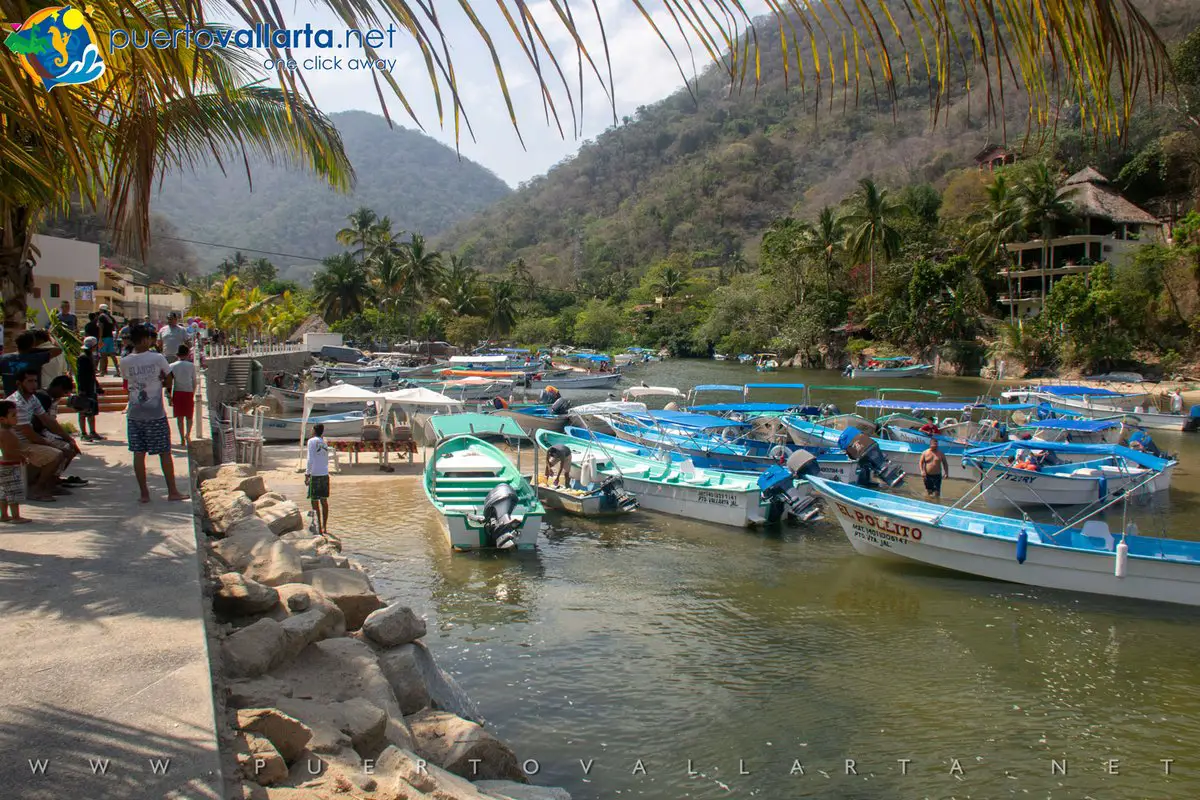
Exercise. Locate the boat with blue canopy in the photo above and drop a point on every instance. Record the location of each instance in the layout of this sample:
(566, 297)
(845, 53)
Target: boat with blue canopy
(1088, 558)
(713, 388)
(1029, 473)
(1073, 429)
(1098, 403)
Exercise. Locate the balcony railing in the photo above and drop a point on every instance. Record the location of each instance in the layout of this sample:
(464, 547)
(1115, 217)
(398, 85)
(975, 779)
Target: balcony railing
(210, 350)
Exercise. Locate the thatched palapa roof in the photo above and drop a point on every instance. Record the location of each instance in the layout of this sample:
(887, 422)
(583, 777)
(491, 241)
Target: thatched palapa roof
(1093, 196)
(314, 324)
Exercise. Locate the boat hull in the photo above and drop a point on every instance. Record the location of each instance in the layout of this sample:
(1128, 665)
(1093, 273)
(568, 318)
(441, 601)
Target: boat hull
(707, 504)
(532, 423)
(602, 381)
(591, 505)
(1008, 486)
(462, 535)
(289, 430)
(290, 400)
(917, 538)
(919, 371)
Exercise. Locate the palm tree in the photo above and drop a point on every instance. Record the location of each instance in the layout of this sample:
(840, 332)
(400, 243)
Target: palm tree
(384, 240)
(233, 266)
(1043, 208)
(342, 287)
(669, 282)
(422, 270)
(358, 232)
(504, 308)
(824, 239)
(109, 142)
(869, 229)
(461, 293)
(992, 226)
(388, 273)
(520, 274)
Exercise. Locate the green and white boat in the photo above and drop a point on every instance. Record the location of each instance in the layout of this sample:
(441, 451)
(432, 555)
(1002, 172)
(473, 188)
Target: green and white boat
(483, 500)
(680, 488)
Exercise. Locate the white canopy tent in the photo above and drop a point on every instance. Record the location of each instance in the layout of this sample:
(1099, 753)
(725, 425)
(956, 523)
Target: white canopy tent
(342, 392)
(417, 397)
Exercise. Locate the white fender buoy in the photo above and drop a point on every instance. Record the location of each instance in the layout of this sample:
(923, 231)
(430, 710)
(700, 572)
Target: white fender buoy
(1122, 559)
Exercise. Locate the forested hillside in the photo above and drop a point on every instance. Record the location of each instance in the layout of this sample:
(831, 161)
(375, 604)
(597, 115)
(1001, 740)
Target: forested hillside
(416, 181)
(706, 176)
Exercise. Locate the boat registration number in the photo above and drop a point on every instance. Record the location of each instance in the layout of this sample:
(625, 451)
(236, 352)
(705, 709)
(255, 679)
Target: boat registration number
(717, 498)
(878, 530)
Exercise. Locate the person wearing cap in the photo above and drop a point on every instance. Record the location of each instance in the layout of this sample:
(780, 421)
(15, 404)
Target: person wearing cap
(88, 390)
(108, 343)
(172, 337)
(549, 395)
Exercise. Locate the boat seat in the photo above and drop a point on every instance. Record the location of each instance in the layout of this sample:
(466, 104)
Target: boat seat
(451, 479)
(1098, 529)
(697, 480)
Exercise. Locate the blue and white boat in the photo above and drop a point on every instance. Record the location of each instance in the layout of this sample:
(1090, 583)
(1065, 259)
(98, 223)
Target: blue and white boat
(1087, 401)
(1089, 558)
(1073, 429)
(291, 429)
(1097, 472)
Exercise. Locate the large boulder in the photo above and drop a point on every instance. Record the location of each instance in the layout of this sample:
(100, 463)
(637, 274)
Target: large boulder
(200, 452)
(260, 692)
(237, 550)
(222, 476)
(282, 517)
(289, 736)
(393, 626)
(350, 589)
(402, 667)
(510, 790)
(444, 692)
(239, 596)
(269, 499)
(226, 509)
(251, 651)
(349, 724)
(306, 616)
(400, 772)
(258, 759)
(343, 669)
(462, 747)
(275, 563)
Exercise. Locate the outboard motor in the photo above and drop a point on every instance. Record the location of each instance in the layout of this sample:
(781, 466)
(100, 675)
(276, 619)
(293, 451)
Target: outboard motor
(830, 410)
(560, 406)
(499, 522)
(616, 498)
(779, 488)
(871, 461)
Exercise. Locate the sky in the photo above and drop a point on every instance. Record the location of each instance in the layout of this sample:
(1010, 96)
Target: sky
(643, 71)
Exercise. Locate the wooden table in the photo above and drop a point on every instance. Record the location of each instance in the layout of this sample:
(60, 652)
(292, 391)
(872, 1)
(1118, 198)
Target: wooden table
(353, 447)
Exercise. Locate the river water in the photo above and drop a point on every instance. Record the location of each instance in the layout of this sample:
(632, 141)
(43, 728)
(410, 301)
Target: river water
(663, 658)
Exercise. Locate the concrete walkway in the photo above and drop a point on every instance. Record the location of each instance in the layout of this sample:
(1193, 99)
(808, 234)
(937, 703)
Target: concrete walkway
(105, 688)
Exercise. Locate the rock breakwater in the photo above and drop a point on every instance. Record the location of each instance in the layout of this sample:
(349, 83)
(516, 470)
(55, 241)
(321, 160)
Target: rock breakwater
(325, 691)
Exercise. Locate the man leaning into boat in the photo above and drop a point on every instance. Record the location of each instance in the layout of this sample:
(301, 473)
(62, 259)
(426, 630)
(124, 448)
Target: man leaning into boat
(559, 455)
(933, 465)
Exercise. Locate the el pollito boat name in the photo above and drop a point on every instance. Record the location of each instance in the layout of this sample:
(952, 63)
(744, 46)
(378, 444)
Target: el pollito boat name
(868, 526)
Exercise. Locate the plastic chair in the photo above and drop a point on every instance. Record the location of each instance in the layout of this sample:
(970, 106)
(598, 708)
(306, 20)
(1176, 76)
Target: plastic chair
(249, 439)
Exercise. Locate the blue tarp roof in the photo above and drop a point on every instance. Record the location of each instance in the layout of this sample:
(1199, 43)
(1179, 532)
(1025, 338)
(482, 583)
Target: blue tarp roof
(1079, 391)
(724, 408)
(683, 419)
(913, 405)
(1012, 406)
(716, 387)
(750, 386)
(590, 356)
(1097, 450)
(1088, 425)
(890, 358)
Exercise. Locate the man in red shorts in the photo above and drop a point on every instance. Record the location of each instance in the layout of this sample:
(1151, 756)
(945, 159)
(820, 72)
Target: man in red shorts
(183, 393)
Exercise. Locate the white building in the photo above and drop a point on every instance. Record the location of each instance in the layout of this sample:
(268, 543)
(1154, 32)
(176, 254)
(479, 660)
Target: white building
(64, 269)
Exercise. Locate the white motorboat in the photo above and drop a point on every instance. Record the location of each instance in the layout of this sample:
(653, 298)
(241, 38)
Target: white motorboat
(1089, 558)
(292, 429)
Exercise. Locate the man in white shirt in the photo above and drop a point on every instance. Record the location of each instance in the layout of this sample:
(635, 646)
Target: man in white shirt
(171, 337)
(147, 373)
(316, 477)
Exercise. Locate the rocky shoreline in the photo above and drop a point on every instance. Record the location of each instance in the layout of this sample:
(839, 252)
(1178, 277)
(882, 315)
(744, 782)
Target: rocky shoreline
(323, 692)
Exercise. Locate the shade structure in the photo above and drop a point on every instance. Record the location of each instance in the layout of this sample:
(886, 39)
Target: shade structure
(420, 396)
(343, 392)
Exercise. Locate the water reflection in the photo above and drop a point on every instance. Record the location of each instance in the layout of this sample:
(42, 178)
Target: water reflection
(647, 637)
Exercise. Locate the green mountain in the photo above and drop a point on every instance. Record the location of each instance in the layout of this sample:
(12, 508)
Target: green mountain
(704, 173)
(420, 183)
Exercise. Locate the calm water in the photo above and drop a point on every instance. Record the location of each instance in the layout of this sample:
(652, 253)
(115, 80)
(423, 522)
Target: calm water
(636, 646)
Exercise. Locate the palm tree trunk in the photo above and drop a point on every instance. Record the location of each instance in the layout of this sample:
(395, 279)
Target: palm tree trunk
(16, 271)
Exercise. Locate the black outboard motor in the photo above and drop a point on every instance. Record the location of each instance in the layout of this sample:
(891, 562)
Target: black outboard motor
(615, 497)
(871, 461)
(560, 406)
(830, 410)
(498, 520)
(781, 488)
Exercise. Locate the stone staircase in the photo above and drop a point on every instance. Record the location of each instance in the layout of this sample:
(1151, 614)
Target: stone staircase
(115, 398)
(238, 373)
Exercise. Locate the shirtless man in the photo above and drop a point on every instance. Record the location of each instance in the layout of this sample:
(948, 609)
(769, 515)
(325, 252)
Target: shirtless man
(933, 464)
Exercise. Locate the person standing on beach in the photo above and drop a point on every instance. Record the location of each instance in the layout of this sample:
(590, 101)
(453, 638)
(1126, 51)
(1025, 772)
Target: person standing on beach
(316, 477)
(149, 433)
(88, 390)
(12, 467)
(183, 388)
(933, 465)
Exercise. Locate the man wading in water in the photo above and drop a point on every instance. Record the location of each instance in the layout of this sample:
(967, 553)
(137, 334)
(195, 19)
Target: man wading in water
(933, 464)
